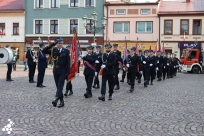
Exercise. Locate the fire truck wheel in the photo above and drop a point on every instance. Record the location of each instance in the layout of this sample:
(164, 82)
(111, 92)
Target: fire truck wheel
(195, 69)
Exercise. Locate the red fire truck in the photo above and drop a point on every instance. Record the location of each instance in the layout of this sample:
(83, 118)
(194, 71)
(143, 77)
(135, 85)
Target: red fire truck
(192, 61)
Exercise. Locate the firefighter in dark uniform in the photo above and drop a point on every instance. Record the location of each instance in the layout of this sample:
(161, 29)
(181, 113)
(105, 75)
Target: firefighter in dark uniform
(139, 75)
(176, 64)
(69, 83)
(159, 61)
(164, 71)
(108, 60)
(116, 67)
(124, 69)
(132, 62)
(89, 71)
(98, 64)
(145, 61)
(168, 66)
(42, 65)
(61, 68)
(152, 66)
(31, 56)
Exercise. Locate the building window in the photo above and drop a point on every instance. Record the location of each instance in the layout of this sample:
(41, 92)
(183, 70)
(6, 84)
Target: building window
(197, 27)
(145, 11)
(2, 28)
(38, 26)
(120, 12)
(168, 24)
(184, 27)
(55, 3)
(121, 27)
(73, 3)
(73, 24)
(89, 3)
(89, 27)
(144, 27)
(54, 26)
(15, 28)
(38, 3)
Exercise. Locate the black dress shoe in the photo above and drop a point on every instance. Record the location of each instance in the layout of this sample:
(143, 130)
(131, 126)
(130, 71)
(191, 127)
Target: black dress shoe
(88, 94)
(61, 104)
(139, 81)
(151, 83)
(70, 93)
(54, 103)
(110, 97)
(122, 80)
(145, 84)
(102, 98)
(9, 80)
(32, 82)
(43, 86)
(94, 86)
(39, 86)
(66, 93)
(117, 87)
(131, 90)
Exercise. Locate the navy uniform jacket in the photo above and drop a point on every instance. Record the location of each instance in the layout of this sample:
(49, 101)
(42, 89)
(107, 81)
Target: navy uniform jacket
(117, 58)
(153, 62)
(29, 56)
(63, 58)
(98, 65)
(109, 61)
(165, 61)
(42, 60)
(90, 58)
(133, 62)
(147, 65)
(159, 61)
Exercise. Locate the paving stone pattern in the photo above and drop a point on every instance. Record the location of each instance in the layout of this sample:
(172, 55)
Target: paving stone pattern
(174, 107)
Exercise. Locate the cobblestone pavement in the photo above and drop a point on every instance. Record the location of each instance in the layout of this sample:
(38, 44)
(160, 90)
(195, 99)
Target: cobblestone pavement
(174, 107)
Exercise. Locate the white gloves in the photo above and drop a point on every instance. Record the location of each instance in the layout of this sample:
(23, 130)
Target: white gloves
(157, 68)
(151, 65)
(141, 72)
(96, 73)
(96, 61)
(164, 67)
(177, 66)
(128, 65)
(77, 75)
(174, 66)
(167, 64)
(103, 66)
(157, 61)
(144, 62)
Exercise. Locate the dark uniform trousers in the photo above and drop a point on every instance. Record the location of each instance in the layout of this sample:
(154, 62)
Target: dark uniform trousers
(152, 73)
(164, 71)
(61, 68)
(116, 81)
(9, 70)
(31, 64)
(96, 80)
(132, 78)
(42, 65)
(89, 70)
(108, 73)
(69, 85)
(159, 72)
(146, 74)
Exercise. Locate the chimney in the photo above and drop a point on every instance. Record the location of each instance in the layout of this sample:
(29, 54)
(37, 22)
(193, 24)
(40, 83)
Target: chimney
(188, 1)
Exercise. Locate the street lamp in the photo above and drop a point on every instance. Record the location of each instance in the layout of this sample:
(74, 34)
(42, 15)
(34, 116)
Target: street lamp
(93, 28)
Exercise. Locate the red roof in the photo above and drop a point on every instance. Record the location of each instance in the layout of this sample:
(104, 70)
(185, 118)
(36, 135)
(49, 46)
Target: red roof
(11, 5)
(181, 7)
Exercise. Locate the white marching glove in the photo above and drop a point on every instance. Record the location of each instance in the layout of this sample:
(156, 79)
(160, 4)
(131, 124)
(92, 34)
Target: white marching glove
(77, 75)
(144, 62)
(157, 61)
(151, 65)
(177, 66)
(174, 66)
(96, 73)
(103, 66)
(167, 64)
(157, 68)
(141, 72)
(164, 67)
(96, 61)
(128, 65)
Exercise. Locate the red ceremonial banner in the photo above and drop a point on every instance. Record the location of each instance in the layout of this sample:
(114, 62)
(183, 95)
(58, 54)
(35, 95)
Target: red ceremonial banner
(73, 60)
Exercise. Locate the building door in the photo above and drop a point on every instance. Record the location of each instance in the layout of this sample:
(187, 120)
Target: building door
(168, 51)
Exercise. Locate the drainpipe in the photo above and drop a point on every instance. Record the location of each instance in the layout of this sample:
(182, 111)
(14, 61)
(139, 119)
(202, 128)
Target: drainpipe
(107, 24)
(159, 33)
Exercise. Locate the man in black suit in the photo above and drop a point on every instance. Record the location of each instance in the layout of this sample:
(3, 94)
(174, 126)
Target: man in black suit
(42, 65)
(132, 62)
(108, 60)
(31, 56)
(61, 67)
(9, 66)
(145, 67)
(164, 71)
(116, 67)
(89, 71)
(139, 75)
(98, 64)
(152, 66)
(159, 61)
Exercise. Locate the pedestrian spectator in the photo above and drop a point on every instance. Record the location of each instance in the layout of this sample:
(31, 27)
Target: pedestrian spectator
(9, 66)
(25, 61)
(14, 62)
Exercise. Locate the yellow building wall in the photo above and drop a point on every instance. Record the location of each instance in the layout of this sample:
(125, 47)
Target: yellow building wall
(142, 45)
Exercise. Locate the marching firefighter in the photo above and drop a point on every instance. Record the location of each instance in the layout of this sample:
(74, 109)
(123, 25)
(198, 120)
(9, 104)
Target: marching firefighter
(124, 69)
(145, 61)
(139, 75)
(159, 61)
(165, 59)
(152, 66)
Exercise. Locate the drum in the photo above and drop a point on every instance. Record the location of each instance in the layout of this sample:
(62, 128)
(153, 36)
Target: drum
(6, 55)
